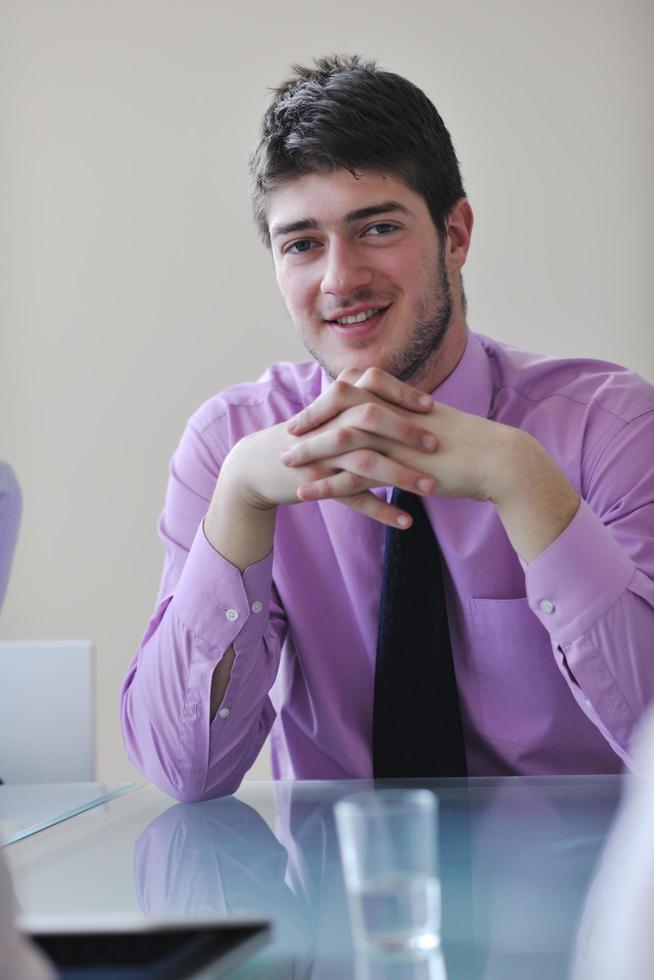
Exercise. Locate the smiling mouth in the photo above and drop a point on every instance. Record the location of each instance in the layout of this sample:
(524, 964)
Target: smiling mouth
(346, 321)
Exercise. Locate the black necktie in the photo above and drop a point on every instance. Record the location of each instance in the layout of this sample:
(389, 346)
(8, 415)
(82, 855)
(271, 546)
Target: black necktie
(416, 719)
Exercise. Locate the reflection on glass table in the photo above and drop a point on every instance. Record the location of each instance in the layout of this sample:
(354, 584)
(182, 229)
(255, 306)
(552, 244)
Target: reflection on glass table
(217, 857)
(25, 809)
(615, 937)
(409, 966)
(516, 857)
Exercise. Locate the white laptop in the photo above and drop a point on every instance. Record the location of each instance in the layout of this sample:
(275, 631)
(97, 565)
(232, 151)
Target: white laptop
(46, 712)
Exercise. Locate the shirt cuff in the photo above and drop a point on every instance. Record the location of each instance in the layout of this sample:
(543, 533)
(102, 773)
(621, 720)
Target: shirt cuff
(576, 580)
(217, 602)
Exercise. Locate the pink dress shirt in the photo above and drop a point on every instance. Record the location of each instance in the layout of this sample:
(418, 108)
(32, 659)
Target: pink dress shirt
(554, 660)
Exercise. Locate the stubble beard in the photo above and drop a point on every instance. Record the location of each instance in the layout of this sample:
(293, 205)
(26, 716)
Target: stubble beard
(416, 359)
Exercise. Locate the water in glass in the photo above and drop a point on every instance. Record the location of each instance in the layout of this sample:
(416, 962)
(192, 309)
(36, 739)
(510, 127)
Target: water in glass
(397, 913)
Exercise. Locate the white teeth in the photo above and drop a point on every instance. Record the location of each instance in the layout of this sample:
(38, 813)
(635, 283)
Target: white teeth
(359, 318)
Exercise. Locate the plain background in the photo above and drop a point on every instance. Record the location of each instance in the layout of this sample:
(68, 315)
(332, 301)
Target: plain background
(133, 285)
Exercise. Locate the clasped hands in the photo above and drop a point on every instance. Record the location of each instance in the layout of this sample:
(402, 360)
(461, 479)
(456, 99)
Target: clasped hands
(370, 430)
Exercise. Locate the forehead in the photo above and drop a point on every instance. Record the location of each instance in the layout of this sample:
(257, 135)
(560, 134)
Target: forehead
(329, 197)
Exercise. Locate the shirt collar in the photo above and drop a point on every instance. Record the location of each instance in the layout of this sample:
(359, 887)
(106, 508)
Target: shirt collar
(469, 387)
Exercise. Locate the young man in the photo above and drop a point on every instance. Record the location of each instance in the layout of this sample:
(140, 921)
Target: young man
(535, 475)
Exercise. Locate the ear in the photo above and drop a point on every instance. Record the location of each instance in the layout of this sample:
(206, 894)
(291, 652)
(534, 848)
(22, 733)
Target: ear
(459, 233)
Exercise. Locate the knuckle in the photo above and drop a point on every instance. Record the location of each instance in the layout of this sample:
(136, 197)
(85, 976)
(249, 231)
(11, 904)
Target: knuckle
(340, 389)
(375, 508)
(365, 459)
(382, 512)
(357, 501)
(408, 476)
(402, 394)
(355, 482)
(372, 376)
(344, 438)
(370, 413)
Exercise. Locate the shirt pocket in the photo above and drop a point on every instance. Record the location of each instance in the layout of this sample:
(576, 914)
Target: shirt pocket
(523, 696)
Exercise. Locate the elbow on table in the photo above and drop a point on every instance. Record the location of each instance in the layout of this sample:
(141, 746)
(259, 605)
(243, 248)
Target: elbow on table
(190, 787)
(157, 757)
(193, 794)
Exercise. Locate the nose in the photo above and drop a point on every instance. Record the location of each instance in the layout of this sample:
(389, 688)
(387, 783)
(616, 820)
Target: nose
(344, 271)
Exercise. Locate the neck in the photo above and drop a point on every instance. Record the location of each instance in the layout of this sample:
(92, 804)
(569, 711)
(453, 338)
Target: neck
(446, 359)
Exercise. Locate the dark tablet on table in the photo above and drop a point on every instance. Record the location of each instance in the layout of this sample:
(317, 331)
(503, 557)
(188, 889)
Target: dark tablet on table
(147, 949)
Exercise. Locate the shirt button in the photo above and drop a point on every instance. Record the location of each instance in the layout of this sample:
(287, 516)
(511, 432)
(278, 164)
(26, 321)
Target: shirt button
(223, 712)
(256, 606)
(231, 615)
(546, 606)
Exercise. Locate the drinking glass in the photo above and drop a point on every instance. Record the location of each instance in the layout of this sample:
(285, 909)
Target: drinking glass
(389, 849)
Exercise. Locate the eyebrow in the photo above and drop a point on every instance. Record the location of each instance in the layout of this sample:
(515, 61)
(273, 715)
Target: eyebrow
(310, 224)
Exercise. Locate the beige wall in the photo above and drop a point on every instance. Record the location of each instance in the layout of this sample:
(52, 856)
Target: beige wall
(133, 286)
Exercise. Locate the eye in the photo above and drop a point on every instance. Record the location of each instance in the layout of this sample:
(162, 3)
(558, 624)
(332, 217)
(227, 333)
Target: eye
(299, 247)
(381, 228)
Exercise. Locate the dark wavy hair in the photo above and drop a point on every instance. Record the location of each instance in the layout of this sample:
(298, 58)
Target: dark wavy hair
(347, 113)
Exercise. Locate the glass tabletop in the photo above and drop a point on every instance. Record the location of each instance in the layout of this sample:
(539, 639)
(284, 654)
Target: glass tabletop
(26, 809)
(516, 859)
(517, 856)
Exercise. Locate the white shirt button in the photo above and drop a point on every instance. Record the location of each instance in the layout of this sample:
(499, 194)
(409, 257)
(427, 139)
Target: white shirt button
(231, 615)
(223, 712)
(256, 606)
(546, 606)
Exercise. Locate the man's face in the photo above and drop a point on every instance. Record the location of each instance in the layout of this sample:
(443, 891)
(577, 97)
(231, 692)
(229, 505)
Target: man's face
(361, 269)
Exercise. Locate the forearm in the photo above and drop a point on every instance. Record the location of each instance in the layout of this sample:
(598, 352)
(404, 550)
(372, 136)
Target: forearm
(534, 499)
(235, 527)
(243, 535)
